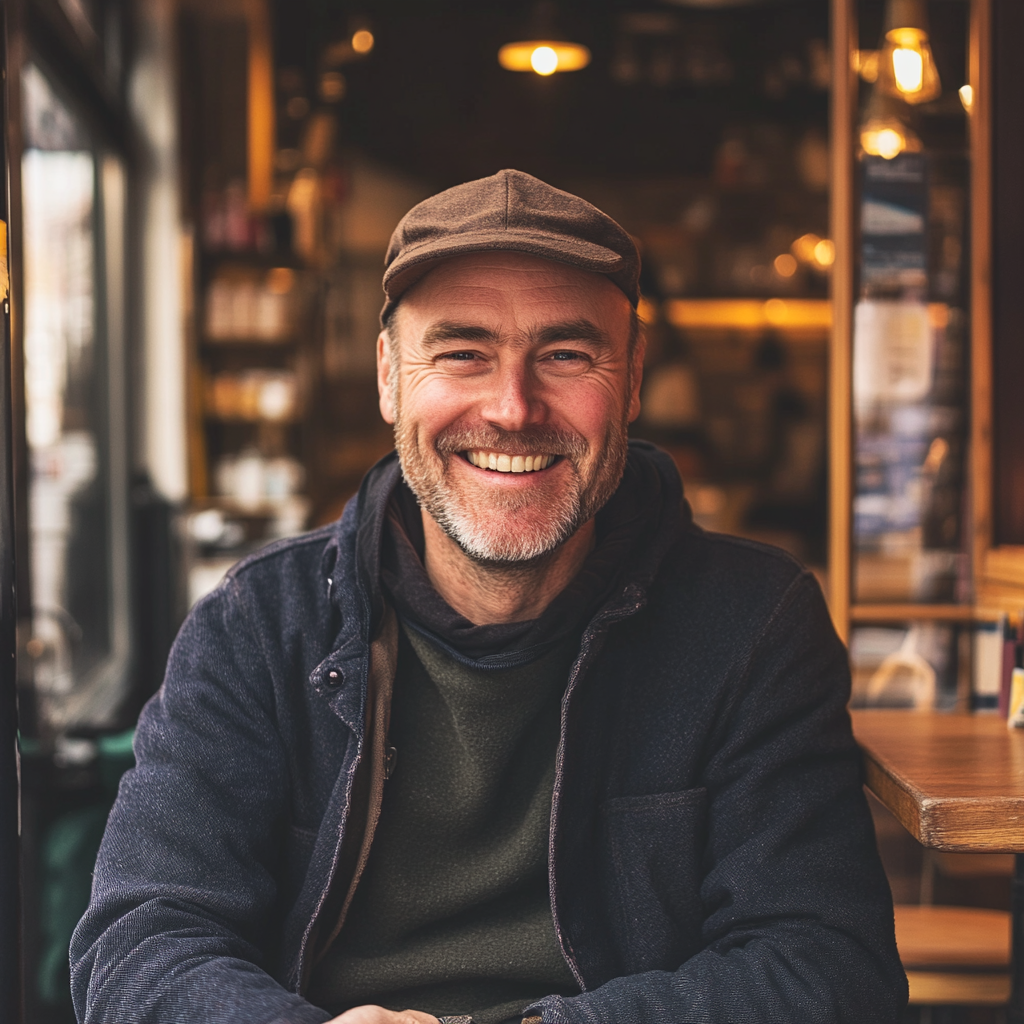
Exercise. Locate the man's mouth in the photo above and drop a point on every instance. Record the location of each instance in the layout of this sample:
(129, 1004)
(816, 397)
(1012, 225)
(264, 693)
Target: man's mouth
(502, 463)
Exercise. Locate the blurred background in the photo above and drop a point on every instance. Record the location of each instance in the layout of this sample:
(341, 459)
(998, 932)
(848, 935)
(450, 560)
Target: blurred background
(202, 195)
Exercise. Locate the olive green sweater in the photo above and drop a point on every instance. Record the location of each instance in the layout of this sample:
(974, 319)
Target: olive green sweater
(452, 914)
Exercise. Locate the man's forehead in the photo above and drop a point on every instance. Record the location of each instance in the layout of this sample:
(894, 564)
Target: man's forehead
(496, 282)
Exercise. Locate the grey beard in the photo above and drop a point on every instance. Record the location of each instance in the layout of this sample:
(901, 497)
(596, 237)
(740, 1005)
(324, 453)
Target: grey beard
(492, 535)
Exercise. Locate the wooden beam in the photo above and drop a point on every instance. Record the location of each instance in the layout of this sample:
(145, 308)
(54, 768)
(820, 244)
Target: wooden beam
(980, 75)
(261, 106)
(840, 420)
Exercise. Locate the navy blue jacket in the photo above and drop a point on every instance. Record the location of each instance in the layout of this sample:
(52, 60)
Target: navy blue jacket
(712, 858)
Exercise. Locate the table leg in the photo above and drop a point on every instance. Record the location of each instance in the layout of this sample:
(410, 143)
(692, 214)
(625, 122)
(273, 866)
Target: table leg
(1015, 1013)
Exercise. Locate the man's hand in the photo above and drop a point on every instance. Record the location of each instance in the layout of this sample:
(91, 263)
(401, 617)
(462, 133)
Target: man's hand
(378, 1015)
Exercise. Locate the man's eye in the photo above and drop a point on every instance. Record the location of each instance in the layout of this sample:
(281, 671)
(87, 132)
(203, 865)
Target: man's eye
(564, 357)
(458, 356)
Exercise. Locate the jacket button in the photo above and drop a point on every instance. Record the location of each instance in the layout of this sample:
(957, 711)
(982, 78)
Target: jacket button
(334, 678)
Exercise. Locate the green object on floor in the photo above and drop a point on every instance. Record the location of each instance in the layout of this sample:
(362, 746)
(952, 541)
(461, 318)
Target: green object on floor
(68, 854)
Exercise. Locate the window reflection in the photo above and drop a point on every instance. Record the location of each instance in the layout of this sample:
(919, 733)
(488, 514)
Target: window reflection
(66, 404)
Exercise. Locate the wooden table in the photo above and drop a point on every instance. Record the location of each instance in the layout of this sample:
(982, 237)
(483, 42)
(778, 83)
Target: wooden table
(955, 782)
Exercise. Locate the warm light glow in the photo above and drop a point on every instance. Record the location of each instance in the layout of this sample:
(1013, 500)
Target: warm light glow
(544, 60)
(543, 56)
(908, 36)
(825, 253)
(803, 247)
(785, 265)
(937, 452)
(887, 143)
(967, 97)
(362, 41)
(908, 67)
(280, 280)
(750, 314)
(909, 70)
(776, 312)
(819, 252)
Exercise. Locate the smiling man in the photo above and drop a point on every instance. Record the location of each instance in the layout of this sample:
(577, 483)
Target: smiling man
(514, 740)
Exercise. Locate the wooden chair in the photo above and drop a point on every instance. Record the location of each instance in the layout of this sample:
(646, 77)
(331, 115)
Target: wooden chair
(954, 955)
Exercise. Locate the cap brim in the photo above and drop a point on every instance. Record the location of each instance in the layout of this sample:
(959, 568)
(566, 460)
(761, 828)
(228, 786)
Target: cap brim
(416, 263)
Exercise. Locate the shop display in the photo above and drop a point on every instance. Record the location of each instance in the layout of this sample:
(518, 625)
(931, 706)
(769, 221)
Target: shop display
(249, 308)
(908, 395)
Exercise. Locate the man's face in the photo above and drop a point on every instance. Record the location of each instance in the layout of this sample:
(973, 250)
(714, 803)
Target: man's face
(510, 398)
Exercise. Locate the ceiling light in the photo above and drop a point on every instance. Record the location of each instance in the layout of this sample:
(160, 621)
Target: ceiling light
(362, 41)
(544, 60)
(907, 67)
(543, 56)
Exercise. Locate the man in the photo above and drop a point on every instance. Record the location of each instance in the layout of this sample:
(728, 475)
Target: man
(514, 739)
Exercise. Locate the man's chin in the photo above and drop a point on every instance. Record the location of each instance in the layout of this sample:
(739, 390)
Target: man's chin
(508, 540)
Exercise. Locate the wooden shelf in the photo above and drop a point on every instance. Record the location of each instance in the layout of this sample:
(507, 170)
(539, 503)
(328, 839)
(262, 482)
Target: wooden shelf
(924, 612)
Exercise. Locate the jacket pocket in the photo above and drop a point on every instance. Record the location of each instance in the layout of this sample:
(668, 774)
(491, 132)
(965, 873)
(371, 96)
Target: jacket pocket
(652, 847)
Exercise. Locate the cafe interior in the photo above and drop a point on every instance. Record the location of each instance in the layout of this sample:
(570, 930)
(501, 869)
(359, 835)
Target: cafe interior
(826, 195)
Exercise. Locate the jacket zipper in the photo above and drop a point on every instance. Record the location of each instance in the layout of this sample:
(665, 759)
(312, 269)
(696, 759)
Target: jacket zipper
(593, 640)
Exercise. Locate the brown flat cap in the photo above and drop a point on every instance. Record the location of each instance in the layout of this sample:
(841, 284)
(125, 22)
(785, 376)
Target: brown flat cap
(513, 212)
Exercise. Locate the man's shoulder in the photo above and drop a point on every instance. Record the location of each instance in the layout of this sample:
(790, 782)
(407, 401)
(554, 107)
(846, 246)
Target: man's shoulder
(286, 574)
(719, 572)
(274, 560)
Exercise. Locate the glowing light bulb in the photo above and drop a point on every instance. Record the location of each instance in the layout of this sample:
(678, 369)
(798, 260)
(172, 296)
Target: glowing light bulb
(362, 41)
(544, 60)
(543, 56)
(908, 68)
(825, 253)
(803, 247)
(966, 97)
(888, 143)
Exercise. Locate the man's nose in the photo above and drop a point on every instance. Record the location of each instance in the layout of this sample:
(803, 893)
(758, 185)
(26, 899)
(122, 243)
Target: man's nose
(512, 401)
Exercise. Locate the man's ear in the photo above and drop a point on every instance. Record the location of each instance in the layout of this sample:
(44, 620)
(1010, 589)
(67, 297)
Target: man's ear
(637, 374)
(384, 371)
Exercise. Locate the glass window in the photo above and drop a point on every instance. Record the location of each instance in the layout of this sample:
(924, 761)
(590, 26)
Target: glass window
(70, 192)
(911, 318)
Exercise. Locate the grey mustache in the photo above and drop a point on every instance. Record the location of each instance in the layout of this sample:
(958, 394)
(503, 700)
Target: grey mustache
(525, 442)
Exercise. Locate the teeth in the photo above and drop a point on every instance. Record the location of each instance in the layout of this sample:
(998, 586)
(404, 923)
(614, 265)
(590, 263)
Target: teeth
(509, 463)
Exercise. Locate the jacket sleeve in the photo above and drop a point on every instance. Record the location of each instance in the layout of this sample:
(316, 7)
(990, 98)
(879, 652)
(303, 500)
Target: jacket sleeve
(181, 916)
(798, 921)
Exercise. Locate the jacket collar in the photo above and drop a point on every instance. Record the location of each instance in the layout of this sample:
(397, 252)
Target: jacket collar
(649, 471)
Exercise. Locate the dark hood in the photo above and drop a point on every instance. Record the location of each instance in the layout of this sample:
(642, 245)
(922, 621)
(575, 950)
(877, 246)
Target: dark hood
(634, 529)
